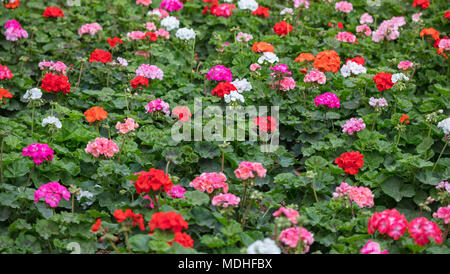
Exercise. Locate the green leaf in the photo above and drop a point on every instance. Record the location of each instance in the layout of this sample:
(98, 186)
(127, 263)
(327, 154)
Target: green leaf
(197, 198)
(395, 188)
(17, 169)
(46, 228)
(316, 162)
(139, 242)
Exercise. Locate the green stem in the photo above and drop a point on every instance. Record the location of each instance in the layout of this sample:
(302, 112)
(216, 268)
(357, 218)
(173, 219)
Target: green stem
(314, 190)
(1, 161)
(167, 167)
(428, 137)
(442, 151)
(121, 148)
(374, 121)
(246, 213)
(114, 246)
(126, 241)
(73, 204)
(223, 160)
(79, 75)
(29, 178)
(32, 120)
(398, 138)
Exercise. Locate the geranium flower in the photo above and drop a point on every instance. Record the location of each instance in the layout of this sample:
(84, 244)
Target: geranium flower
(139, 82)
(327, 61)
(282, 28)
(53, 12)
(168, 221)
(95, 114)
(262, 47)
(383, 80)
(182, 113)
(101, 56)
(112, 42)
(55, 83)
(261, 11)
(351, 162)
(153, 180)
(4, 93)
(52, 192)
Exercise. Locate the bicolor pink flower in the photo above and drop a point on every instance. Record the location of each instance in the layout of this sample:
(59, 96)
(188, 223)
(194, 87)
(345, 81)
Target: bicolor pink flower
(5, 73)
(246, 170)
(53, 66)
(421, 229)
(150, 72)
(364, 29)
(389, 222)
(209, 182)
(353, 125)
(177, 192)
(345, 36)
(362, 196)
(315, 76)
(52, 193)
(372, 248)
(136, 35)
(89, 29)
(443, 213)
(225, 200)
(158, 105)
(128, 126)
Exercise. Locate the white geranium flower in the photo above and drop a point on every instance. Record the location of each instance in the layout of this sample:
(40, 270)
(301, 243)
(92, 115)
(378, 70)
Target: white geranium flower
(247, 5)
(445, 125)
(233, 97)
(269, 57)
(52, 120)
(267, 246)
(33, 94)
(185, 34)
(242, 85)
(352, 68)
(399, 77)
(170, 23)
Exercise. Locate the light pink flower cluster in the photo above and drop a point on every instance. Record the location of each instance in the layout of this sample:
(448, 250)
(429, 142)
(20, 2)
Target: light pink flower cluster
(245, 170)
(161, 13)
(364, 29)
(353, 125)
(389, 222)
(39, 153)
(285, 84)
(290, 213)
(136, 35)
(149, 71)
(171, 5)
(404, 65)
(53, 66)
(345, 36)
(388, 29)
(150, 26)
(291, 236)
(372, 248)
(378, 103)
(126, 127)
(52, 192)
(443, 213)
(254, 67)
(14, 31)
(444, 185)
(163, 33)
(89, 28)
(341, 190)
(145, 3)
(315, 76)
(225, 200)
(220, 73)
(102, 146)
(444, 44)
(158, 105)
(421, 229)
(280, 69)
(243, 37)
(327, 99)
(366, 19)
(177, 192)
(416, 17)
(343, 6)
(297, 3)
(209, 182)
(362, 196)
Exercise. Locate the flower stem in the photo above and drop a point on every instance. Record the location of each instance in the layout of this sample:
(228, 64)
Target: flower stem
(32, 120)
(114, 246)
(167, 167)
(398, 138)
(246, 212)
(79, 75)
(29, 178)
(223, 160)
(121, 148)
(442, 151)
(126, 241)
(314, 190)
(428, 137)
(73, 204)
(374, 121)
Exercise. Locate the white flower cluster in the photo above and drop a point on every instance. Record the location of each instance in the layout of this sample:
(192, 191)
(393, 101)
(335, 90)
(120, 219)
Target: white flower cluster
(269, 57)
(185, 34)
(445, 125)
(228, 1)
(170, 23)
(352, 68)
(398, 77)
(242, 85)
(287, 11)
(267, 246)
(88, 195)
(247, 5)
(32, 94)
(52, 120)
(233, 97)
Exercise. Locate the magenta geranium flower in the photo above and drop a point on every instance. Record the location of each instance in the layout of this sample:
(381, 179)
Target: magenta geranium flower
(52, 193)
(39, 153)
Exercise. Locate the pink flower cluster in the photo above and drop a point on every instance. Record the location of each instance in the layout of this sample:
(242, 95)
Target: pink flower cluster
(91, 28)
(171, 5)
(444, 44)
(39, 153)
(150, 26)
(129, 125)
(145, 3)
(225, 200)
(163, 33)
(150, 72)
(102, 146)
(388, 222)
(364, 29)
(388, 29)
(421, 229)
(298, 2)
(254, 67)
(444, 185)
(161, 13)
(243, 37)
(362, 196)
(353, 125)
(280, 69)
(416, 17)
(158, 105)
(378, 103)
(14, 31)
(52, 192)
(285, 84)
(315, 76)
(136, 35)
(209, 182)
(53, 66)
(177, 192)
(443, 213)
(327, 99)
(343, 6)
(341, 190)
(372, 248)
(245, 170)
(220, 73)
(5, 73)
(291, 236)
(404, 65)
(290, 213)
(345, 36)
(366, 19)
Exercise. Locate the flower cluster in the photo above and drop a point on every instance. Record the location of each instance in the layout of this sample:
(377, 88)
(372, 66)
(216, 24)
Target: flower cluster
(171, 5)
(170, 23)
(114, 41)
(362, 196)
(32, 94)
(399, 77)
(266, 124)
(443, 213)
(421, 229)
(91, 28)
(222, 89)
(293, 235)
(261, 11)
(315, 76)
(225, 200)
(366, 19)
(220, 73)
(327, 99)
(388, 29)
(242, 85)
(53, 12)
(353, 125)
(285, 84)
(247, 5)
(4, 93)
(262, 47)
(126, 127)
(424, 4)
(153, 180)
(389, 222)
(378, 103)
(158, 105)
(185, 34)
(139, 82)
(269, 57)
(301, 4)
(5, 73)
(52, 192)
(95, 114)
(101, 56)
(209, 182)
(327, 60)
(137, 219)
(372, 248)
(351, 162)
(51, 120)
(347, 37)
(243, 37)
(168, 221)
(150, 72)
(55, 83)
(245, 170)
(290, 213)
(343, 6)
(352, 68)
(182, 113)
(102, 146)
(279, 70)
(177, 192)
(405, 65)
(233, 96)
(383, 80)
(282, 28)
(266, 246)
(53, 66)
(161, 13)
(39, 153)
(445, 125)
(14, 31)
(364, 29)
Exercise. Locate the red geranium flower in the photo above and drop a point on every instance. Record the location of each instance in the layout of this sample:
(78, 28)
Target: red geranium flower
(152, 36)
(223, 88)
(404, 118)
(4, 93)
(112, 42)
(96, 226)
(55, 83)
(340, 25)
(168, 221)
(360, 60)
(183, 239)
(266, 123)
(424, 4)
(139, 82)
(447, 15)
(137, 219)
(282, 28)
(262, 11)
(223, 10)
(383, 80)
(154, 179)
(351, 162)
(101, 56)
(53, 12)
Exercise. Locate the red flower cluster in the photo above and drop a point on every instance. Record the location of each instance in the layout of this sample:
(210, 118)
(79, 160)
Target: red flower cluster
(360, 60)
(223, 10)
(183, 239)
(154, 179)
(339, 25)
(137, 219)
(4, 93)
(351, 162)
(96, 226)
(167, 221)
(383, 80)
(424, 4)
(55, 83)
(223, 88)
(152, 36)
(53, 12)
(101, 56)
(421, 229)
(282, 28)
(139, 82)
(112, 42)
(447, 15)
(388, 222)
(261, 11)
(266, 123)
(404, 118)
